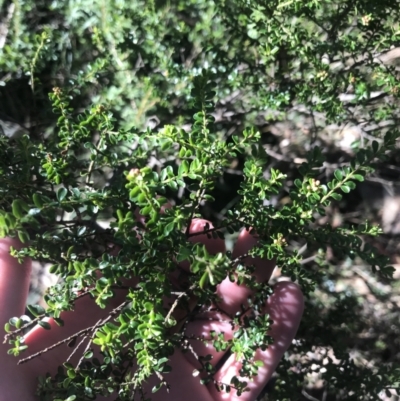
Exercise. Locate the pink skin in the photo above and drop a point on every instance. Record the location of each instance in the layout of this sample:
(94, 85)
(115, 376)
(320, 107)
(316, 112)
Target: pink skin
(285, 307)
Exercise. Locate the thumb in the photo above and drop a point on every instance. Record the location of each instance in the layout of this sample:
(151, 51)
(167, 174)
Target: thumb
(14, 281)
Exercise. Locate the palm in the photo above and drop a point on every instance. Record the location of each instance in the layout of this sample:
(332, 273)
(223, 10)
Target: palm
(285, 308)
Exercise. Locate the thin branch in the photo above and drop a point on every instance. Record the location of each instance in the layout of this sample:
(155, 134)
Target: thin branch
(73, 336)
(175, 304)
(76, 348)
(34, 321)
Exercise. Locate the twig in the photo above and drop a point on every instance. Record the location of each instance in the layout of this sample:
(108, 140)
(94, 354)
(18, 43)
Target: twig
(32, 322)
(24, 360)
(76, 348)
(79, 333)
(175, 304)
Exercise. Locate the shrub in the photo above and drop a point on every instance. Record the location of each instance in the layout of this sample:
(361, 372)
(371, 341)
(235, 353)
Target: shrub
(197, 72)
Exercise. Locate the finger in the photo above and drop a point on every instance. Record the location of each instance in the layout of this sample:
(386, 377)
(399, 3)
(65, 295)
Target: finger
(233, 295)
(14, 287)
(14, 281)
(264, 267)
(285, 307)
(213, 247)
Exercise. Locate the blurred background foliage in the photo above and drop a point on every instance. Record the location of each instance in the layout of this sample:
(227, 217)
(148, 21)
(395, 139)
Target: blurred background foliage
(304, 73)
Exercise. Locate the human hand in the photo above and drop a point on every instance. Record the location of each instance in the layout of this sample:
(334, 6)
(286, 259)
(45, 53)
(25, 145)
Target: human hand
(284, 306)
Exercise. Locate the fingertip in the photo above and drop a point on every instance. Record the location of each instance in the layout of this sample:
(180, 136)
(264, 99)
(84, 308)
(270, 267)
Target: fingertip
(244, 243)
(14, 280)
(285, 307)
(213, 245)
(264, 267)
(290, 293)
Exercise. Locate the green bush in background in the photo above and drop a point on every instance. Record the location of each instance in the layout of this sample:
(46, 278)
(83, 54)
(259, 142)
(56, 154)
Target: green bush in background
(169, 88)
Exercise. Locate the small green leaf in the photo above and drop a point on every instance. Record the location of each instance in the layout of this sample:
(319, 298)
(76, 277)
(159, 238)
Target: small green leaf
(184, 254)
(204, 280)
(10, 219)
(17, 209)
(168, 228)
(332, 184)
(134, 192)
(54, 269)
(37, 200)
(170, 322)
(345, 189)
(336, 196)
(3, 226)
(166, 145)
(36, 310)
(23, 236)
(68, 365)
(184, 167)
(61, 194)
(146, 210)
(351, 184)
(70, 250)
(358, 177)
(163, 174)
(76, 193)
(338, 175)
(58, 321)
(209, 198)
(157, 387)
(88, 354)
(173, 185)
(44, 324)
